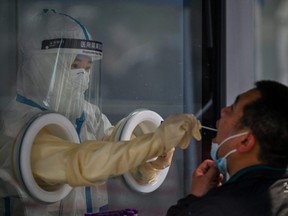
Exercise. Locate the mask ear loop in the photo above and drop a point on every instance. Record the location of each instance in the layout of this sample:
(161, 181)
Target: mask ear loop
(232, 137)
(229, 153)
(229, 138)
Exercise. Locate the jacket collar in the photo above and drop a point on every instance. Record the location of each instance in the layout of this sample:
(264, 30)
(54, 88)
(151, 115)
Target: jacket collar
(259, 170)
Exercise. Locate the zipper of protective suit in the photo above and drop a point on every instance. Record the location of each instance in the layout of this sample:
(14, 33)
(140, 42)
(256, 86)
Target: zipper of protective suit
(79, 121)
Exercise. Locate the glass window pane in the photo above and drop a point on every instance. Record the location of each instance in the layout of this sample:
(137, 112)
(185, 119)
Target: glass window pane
(152, 58)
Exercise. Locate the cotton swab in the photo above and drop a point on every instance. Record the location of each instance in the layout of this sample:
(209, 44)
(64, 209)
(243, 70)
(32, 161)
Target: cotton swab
(209, 128)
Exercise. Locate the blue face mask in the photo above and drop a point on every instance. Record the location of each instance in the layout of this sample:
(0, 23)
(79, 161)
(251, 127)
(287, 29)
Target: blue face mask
(222, 162)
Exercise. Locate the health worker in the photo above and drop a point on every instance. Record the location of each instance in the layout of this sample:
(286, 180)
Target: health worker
(59, 72)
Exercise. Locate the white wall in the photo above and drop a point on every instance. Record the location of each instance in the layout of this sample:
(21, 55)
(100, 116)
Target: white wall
(240, 47)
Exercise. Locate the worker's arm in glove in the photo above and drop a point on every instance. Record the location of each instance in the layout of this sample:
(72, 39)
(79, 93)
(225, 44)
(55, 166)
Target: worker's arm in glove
(56, 161)
(147, 172)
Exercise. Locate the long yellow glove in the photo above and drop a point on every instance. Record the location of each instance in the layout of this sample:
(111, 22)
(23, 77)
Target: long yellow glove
(147, 172)
(56, 161)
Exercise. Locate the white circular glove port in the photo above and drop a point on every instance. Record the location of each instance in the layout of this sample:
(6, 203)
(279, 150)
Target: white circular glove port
(59, 126)
(147, 121)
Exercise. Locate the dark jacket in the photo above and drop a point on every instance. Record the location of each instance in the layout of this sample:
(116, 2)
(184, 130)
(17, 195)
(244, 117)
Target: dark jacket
(254, 191)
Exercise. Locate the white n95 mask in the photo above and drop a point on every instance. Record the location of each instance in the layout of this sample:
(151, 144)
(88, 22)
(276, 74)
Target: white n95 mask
(222, 162)
(78, 79)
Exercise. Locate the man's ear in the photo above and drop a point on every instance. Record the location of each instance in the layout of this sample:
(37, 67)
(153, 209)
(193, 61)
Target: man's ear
(247, 143)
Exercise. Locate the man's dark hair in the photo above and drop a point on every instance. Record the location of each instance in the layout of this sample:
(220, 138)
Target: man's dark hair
(267, 117)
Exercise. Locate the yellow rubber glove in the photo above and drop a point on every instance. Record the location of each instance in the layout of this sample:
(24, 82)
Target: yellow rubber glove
(163, 161)
(56, 161)
(147, 172)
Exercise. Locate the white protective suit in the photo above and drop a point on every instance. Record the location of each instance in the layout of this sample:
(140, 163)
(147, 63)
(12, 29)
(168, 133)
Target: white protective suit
(44, 82)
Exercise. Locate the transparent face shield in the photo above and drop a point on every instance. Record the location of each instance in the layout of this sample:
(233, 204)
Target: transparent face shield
(75, 72)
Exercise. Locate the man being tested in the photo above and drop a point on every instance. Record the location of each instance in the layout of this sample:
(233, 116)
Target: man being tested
(250, 153)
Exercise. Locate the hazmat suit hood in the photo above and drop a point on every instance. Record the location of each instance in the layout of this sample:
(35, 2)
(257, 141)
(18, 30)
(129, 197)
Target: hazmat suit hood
(47, 79)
